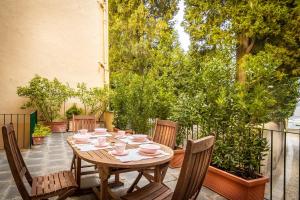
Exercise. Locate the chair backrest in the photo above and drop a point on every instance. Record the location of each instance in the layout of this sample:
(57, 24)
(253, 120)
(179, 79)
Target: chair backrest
(165, 133)
(195, 164)
(84, 122)
(15, 160)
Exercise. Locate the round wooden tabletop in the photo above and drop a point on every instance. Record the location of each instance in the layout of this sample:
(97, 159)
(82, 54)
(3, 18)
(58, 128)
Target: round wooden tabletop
(102, 157)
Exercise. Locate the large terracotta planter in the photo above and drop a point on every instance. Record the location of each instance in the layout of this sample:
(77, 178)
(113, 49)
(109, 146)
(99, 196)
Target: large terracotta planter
(57, 127)
(233, 187)
(37, 140)
(177, 160)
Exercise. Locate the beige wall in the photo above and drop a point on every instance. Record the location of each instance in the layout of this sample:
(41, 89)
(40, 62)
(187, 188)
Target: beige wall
(66, 39)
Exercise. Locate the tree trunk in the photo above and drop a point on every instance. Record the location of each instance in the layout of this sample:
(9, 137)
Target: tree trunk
(244, 47)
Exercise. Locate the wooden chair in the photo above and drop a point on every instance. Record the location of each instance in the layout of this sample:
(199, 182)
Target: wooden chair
(61, 184)
(196, 161)
(164, 133)
(83, 122)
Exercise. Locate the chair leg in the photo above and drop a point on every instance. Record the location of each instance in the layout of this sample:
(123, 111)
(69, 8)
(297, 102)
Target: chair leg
(136, 181)
(72, 163)
(66, 194)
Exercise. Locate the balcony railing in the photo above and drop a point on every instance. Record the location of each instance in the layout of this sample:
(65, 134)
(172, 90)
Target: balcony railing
(282, 170)
(24, 127)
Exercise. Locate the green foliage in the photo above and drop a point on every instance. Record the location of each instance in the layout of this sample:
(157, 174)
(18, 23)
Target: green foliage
(232, 111)
(73, 110)
(95, 100)
(45, 96)
(41, 131)
(246, 26)
(242, 66)
(238, 74)
(143, 53)
(137, 98)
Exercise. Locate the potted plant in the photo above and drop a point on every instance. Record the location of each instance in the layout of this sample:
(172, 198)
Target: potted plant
(73, 110)
(230, 111)
(95, 100)
(47, 97)
(177, 160)
(40, 132)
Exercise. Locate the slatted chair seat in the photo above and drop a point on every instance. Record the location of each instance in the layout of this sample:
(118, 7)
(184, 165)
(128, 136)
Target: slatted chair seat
(195, 164)
(56, 183)
(152, 191)
(61, 184)
(164, 133)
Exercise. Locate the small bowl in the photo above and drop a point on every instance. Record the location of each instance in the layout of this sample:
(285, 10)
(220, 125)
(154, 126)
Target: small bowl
(149, 148)
(83, 131)
(100, 130)
(139, 137)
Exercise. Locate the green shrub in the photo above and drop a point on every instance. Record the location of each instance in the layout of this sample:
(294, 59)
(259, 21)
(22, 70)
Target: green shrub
(41, 131)
(73, 110)
(45, 96)
(233, 111)
(95, 100)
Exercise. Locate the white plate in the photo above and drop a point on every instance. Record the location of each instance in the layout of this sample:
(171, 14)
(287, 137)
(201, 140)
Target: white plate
(118, 154)
(149, 154)
(103, 145)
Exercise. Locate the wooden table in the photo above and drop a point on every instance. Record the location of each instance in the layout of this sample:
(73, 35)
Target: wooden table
(108, 165)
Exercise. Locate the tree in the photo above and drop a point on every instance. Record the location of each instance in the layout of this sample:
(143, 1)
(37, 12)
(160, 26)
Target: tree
(243, 73)
(144, 51)
(247, 27)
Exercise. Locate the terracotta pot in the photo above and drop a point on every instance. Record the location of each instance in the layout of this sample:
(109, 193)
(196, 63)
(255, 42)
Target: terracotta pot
(57, 127)
(233, 187)
(37, 140)
(177, 160)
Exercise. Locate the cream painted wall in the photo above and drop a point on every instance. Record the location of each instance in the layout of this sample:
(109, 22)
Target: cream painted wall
(66, 39)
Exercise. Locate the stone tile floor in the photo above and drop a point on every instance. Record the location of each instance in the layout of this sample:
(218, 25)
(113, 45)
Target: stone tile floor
(55, 155)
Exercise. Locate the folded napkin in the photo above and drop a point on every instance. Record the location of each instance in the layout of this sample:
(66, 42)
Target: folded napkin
(129, 140)
(133, 155)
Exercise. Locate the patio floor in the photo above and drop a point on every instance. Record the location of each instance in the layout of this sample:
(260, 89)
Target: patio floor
(55, 155)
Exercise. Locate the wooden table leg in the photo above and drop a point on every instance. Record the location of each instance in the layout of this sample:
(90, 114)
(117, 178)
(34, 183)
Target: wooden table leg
(160, 172)
(78, 171)
(104, 175)
(116, 182)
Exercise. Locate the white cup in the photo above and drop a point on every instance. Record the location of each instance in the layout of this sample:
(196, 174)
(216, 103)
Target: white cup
(120, 147)
(101, 141)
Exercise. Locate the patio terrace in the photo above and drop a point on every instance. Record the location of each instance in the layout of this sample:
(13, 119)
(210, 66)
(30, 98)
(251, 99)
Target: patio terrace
(56, 155)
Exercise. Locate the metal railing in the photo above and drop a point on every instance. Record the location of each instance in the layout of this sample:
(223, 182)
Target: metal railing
(23, 126)
(279, 164)
(288, 146)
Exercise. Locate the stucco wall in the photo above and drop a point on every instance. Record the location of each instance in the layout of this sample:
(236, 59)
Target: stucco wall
(66, 39)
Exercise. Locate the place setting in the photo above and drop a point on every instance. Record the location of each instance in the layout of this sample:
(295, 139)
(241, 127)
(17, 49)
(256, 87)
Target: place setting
(85, 141)
(135, 139)
(144, 151)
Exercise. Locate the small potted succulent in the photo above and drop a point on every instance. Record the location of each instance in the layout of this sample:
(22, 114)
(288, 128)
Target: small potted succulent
(40, 132)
